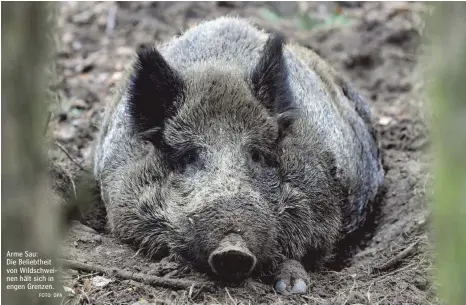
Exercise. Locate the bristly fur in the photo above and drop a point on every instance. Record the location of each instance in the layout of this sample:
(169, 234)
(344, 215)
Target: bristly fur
(227, 129)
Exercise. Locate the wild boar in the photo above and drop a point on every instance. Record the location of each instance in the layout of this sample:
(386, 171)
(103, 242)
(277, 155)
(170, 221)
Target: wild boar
(238, 154)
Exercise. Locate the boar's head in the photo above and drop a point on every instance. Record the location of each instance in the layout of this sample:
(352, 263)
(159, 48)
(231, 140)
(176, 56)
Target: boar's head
(218, 129)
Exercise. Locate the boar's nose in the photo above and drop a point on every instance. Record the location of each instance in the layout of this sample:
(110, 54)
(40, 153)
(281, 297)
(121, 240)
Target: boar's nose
(232, 259)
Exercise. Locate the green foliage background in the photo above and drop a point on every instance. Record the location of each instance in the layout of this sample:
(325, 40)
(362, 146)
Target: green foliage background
(447, 95)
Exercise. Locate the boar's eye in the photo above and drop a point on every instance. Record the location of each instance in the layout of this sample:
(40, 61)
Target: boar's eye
(256, 156)
(262, 158)
(189, 157)
(180, 158)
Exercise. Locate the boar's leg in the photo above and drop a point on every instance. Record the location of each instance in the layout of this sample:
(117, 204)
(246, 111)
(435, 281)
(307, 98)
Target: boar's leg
(292, 278)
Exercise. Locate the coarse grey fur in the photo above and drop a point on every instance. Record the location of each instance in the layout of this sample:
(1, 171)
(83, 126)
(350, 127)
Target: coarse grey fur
(291, 171)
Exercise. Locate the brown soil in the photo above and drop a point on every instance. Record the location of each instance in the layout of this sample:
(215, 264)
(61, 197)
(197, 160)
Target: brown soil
(377, 51)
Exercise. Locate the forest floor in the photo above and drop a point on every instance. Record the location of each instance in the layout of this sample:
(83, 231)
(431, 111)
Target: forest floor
(376, 45)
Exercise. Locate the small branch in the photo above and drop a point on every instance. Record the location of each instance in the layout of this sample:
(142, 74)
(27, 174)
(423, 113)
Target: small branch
(175, 284)
(391, 263)
(63, 149)
(47, 122)
(72, 183)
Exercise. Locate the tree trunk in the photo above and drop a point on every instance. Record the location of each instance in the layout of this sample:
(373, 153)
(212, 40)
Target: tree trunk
(447, 95)
(30, 212)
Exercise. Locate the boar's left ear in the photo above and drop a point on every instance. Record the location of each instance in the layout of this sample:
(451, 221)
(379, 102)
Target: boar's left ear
(269, 76)
(154, 88)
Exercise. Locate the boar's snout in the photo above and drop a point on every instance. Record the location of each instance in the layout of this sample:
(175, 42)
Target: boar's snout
(232, 259)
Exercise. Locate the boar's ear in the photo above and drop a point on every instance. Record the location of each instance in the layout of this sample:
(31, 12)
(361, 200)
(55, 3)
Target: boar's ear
(154, 87)
(269, 75)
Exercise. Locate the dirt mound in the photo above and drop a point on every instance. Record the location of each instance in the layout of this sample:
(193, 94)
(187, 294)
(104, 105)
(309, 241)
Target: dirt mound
(375, 45)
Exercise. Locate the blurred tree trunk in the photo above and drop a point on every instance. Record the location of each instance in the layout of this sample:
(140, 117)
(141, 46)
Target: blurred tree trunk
(30, 212)
(447, 94)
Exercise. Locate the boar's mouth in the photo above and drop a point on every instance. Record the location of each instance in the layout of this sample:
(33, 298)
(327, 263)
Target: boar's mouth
(232, 260)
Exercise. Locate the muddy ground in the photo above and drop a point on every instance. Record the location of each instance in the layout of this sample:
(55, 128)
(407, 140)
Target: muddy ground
(375, 45)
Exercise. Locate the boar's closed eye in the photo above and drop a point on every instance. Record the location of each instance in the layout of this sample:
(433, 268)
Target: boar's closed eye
(190, 156)
(181, 159)
(263, 158)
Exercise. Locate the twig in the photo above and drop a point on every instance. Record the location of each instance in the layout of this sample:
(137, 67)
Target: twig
(137, 252)
(86, 275)
(63, 149)
(391, 263)
(47, 122)
(350, 291)
(229, 295)
(190, 292)
(72, 183)
(175, 284)
(104, 295)
(389, 274)
(83, 293)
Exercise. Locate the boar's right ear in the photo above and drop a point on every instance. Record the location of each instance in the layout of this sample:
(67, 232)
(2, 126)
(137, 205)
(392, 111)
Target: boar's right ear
(269, 75)
(154, 88)
(270, 81)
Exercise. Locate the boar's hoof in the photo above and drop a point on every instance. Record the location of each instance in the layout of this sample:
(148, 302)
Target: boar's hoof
(291, 279)
(232, 259)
